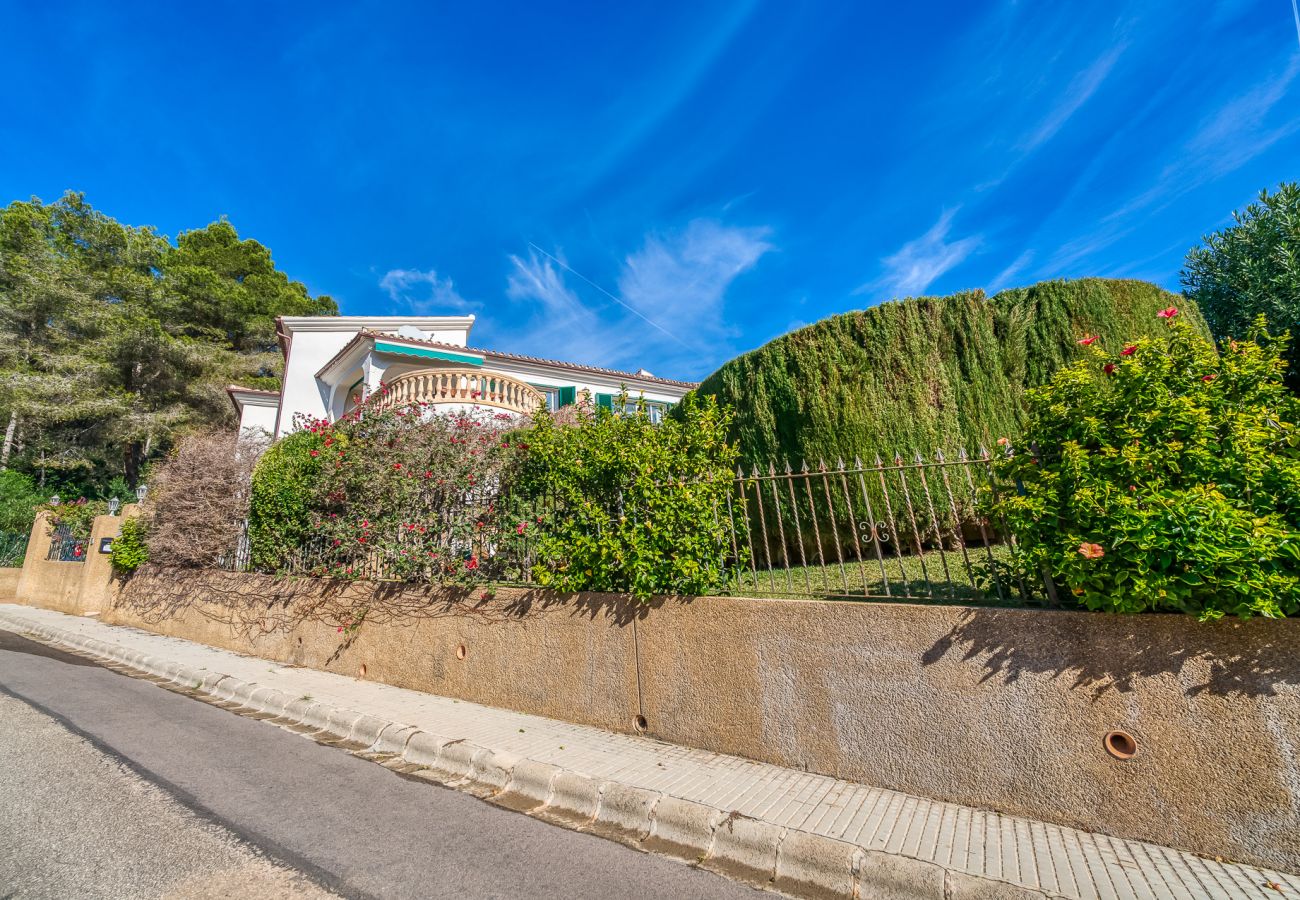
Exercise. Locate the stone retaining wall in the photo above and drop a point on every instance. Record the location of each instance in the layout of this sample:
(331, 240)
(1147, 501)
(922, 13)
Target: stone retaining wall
(1005, 709)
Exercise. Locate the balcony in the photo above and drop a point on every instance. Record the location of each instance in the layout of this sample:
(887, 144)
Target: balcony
(467, 387)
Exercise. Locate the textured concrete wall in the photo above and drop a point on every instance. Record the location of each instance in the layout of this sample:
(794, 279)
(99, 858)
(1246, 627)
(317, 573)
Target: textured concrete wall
(570, 660)
(1004, 709)
(51, 584)
(9, 584)
(71, 587)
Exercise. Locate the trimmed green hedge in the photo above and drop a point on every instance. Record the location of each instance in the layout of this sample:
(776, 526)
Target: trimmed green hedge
(922, 374)
(280, 505)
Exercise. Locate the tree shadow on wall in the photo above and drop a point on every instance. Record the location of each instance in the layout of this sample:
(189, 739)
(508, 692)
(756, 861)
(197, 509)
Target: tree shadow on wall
(621, 609)
(1104, 652)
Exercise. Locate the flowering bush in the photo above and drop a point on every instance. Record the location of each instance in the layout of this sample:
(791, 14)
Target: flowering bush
(77, 516)
(414, 494)
(628, 505)
(1163, 475)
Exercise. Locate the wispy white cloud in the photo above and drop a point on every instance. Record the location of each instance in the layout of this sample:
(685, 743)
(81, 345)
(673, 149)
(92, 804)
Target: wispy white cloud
(921, 261)
(668, 307)
(1005, 278)
(1240, 129)
(556, 322)
(680, 279)
(424, 292)
(1075, 95)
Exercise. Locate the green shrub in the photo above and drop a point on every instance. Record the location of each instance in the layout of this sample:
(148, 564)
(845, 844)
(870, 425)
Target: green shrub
(630, 506)
(1160, 475)
(78, 516)
(18, 502)
(1252, 269)
(934, 373)
(130, 549)
(280, 502)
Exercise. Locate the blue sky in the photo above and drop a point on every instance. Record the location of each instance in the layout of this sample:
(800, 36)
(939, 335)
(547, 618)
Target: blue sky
(661, 184)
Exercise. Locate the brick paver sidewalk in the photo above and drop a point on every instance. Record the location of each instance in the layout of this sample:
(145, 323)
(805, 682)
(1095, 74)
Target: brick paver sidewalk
(752, 818)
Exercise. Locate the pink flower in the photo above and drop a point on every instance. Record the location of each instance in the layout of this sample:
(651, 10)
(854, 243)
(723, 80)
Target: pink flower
(1167, 313)
(341, 627)
(1129, 350)
(519, 529)
(1091, 551)
(1087, 341)
(315, 453)
(1108, 368)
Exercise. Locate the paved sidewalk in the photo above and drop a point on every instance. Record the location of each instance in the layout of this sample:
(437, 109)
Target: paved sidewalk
(804, 834)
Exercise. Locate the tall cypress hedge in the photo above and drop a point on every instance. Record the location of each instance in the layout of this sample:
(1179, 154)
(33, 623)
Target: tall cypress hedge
(922, 374)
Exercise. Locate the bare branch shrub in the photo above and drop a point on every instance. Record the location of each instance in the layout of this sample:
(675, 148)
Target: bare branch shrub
(198, 499)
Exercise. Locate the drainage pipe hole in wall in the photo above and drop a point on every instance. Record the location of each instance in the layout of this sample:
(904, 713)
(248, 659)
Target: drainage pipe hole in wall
(640, 724)
(460, 652)
(1121, 744)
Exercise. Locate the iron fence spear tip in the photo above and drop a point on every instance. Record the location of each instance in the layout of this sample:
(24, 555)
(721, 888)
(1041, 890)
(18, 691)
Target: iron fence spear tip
(857, 461)
(839, 463)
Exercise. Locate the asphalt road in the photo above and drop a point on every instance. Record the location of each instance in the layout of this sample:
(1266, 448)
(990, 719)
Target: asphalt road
(114, 787)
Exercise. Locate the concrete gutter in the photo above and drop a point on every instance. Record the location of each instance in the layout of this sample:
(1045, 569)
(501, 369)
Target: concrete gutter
(765, 854)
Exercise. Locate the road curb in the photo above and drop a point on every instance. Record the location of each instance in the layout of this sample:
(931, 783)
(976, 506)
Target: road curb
(760, 853)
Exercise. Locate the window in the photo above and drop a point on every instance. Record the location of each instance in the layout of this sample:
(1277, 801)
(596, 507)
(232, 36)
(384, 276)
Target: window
(552, 396)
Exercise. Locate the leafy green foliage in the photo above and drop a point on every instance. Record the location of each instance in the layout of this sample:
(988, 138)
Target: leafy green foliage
(113, 340)
(284, 487)
(919, 375)
(78, 516)
(1160, 475)
(630, 506)
(18, 502)
(1252, 269)
(130, 549)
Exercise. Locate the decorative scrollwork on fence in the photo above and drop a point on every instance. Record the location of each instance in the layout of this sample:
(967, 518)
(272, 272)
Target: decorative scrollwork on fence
(875, 531)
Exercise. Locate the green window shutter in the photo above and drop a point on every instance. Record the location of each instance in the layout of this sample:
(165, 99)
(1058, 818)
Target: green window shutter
(568, 396)
(605, 400)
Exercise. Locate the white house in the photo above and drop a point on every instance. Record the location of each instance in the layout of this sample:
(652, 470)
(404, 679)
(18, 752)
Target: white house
(333, 363)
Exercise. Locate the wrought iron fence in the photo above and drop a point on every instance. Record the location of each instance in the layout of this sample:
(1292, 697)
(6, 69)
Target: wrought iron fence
(887, 530)
(65, 547)
(13, 547)
(896, 530)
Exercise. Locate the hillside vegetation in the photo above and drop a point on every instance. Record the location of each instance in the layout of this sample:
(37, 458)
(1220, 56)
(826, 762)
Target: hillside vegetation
(115, 339)
(923, 374)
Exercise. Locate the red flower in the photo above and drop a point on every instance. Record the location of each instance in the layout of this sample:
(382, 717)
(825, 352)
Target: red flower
(396, 466)
(1167, 313)
(1087, 341)
(1129, 350)
(362, 539)
(315, 453)
(340, 629)
(471, 563)
(519, 529)
(1091, 551)
(1108, 368)
(1208, 378)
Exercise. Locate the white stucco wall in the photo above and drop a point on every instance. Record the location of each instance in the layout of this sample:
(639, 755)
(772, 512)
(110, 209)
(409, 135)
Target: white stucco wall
(258, 417)
(315, 341)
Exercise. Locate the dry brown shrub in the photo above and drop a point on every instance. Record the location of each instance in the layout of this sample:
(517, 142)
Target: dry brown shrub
(198, 499)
